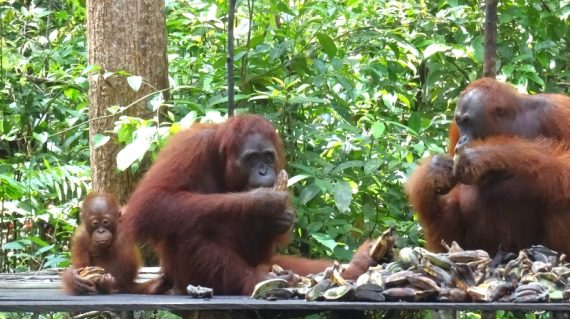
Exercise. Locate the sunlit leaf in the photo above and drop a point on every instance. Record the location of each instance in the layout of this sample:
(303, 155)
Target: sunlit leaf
(82, 82)
(135, 82)
(156, 101)
(342, 196)
(297, 178)
(435, 48)
(131, 153)
(41, 137)
(100, 140)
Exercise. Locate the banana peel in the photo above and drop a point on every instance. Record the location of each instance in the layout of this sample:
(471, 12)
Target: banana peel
(383, 245)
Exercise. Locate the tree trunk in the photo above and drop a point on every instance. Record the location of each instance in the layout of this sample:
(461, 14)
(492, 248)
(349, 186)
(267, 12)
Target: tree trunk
(490, 60)
(122, 35)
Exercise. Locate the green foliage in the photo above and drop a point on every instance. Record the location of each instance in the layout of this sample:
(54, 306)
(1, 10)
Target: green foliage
(43, 168)
(359, 90)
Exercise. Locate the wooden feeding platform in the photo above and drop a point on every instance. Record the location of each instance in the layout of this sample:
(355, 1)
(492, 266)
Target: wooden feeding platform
(40, 292)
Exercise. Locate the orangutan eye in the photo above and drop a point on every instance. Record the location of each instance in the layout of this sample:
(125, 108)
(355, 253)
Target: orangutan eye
(105, 222)
(252, 159)
(268, 157)
(94, 223)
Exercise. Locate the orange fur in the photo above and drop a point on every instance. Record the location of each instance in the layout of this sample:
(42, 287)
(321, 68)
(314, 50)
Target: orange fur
(208, 227)
(510, 184)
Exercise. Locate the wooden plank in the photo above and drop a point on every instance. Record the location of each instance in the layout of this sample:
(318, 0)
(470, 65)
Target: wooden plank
(30, 285)
(40, 292)
(50, 278)
(46, 300)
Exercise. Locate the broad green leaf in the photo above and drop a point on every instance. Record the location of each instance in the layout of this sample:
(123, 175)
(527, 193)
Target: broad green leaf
(309, 193)
(536, 79)
(131, 153)
(315, 227)
(325, 185)
(528, 68)
(43, 250)
(256, 40)
(478, 48)
(135, 82)
(10, 188)
(325, 240)
(100, 140)
(125, 133)
(283, 7)
(297, 178)
(115, 109)
(224, 99)
(545, 45)
(378, 129)
(187, 120)
(15, 245)
(37, 240)
(156, 101)
(327, 44)
(435, 48)
(349, 164)
(543, 58)
(415, 121)
(306, 99)
(82, 82)
(342, 196)
(41, 137)
(55, 261)
(71, 93)
(371, 166)
(508, 70)
(239, 55)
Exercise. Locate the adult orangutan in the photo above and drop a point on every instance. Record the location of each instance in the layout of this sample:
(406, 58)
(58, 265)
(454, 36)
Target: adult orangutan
(510, 184)
(207, 206)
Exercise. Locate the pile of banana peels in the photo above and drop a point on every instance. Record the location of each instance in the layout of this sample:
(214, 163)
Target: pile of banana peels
(536, 274)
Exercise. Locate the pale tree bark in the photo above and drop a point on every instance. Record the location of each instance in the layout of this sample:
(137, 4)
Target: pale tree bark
(127, 35)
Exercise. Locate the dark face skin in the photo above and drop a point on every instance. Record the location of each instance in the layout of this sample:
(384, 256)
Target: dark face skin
(479, 115)
(257, 161)
(100, 219)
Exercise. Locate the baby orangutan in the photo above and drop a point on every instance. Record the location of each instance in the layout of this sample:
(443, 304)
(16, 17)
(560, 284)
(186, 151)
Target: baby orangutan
(101, 241)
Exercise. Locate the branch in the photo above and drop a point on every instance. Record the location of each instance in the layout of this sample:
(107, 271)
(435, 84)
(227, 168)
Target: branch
(122, 111)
